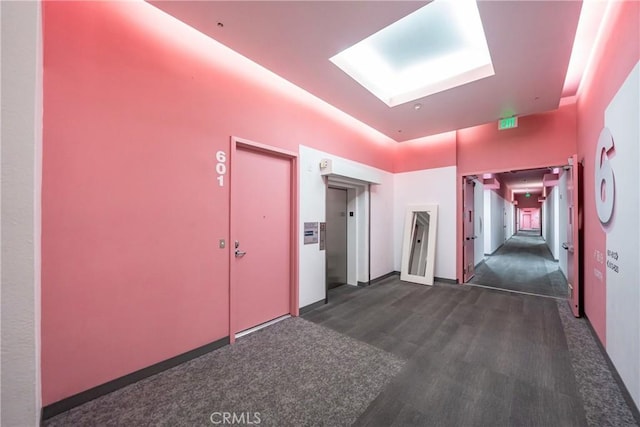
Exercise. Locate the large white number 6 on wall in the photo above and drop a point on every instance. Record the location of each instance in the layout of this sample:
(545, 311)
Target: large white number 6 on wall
(605, 188)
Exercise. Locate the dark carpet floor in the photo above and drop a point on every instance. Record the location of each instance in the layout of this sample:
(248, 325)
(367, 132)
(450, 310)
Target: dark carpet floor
(293, 373)
(392, 354)
(478, 357)
(524, 264)
(604, 403)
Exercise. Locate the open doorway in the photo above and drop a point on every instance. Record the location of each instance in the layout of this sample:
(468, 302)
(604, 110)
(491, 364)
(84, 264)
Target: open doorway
(523, 214)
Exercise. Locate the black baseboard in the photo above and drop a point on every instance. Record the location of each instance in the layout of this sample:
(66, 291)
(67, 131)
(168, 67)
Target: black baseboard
(379, 279)
(384, 277)
(443, 280)
(113, 385)
(308, 308)
(616, 376)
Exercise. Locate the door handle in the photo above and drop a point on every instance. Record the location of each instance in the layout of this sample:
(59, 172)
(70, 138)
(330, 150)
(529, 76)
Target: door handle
(239, 253)
(565, 246)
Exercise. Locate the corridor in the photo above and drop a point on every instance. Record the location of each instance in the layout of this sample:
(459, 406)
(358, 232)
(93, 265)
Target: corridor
(523, 264)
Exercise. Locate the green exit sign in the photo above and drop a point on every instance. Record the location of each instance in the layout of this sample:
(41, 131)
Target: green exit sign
(508, 123)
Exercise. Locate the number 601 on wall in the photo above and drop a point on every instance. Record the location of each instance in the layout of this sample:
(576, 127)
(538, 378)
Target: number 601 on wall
(221, 167)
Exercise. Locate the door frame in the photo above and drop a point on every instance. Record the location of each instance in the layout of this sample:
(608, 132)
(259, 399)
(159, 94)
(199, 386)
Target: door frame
(347, 230)
(576, 295)
(358, 231)
(468, 240)
(267, 150)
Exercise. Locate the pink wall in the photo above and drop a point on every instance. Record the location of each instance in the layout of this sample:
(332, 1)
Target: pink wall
(426, 153)
(540, 140)
(136, 105)
(613, 62)
(534, 218)
(527, 202)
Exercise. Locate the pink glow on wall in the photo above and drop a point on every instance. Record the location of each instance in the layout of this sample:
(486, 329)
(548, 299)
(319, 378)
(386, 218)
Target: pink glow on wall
(185, 38)
(615, 56)
(529, 218)
(525, 202)
(550, 179)
(431, 152)
(540, 140)
(136, 105)
(491, 183)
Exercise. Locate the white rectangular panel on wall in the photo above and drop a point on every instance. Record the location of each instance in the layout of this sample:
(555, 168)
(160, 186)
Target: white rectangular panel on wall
(620, 138)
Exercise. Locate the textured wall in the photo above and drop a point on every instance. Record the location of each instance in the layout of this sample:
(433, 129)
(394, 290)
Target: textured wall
(21, 169)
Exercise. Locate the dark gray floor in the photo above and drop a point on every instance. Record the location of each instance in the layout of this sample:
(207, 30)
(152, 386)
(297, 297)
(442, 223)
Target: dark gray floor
(392, 354)
(475, 356)
(293, 373)
(524, 264)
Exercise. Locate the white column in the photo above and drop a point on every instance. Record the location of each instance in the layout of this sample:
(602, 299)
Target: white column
(21, 155)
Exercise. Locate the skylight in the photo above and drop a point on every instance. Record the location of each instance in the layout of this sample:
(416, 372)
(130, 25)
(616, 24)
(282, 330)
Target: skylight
(440, 46)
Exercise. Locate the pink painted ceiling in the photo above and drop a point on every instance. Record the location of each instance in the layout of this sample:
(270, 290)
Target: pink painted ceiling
(530, 44)
(524, 181)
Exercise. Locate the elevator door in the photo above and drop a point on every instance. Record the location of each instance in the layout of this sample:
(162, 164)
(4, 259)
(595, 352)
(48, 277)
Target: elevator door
(336, 237)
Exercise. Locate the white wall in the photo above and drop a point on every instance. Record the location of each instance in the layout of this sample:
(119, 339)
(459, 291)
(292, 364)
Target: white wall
(563, 220)
(312, 270)
(621, 254)
(494, 221)
(550, 226)
(21, 155)
(488, 222)
(478, 206)
(509, 219)
(432, 186)
(382, 227)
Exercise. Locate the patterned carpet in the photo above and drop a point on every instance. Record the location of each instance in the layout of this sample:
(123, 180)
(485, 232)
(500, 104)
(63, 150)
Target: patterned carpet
(293, 373)
(604, 403)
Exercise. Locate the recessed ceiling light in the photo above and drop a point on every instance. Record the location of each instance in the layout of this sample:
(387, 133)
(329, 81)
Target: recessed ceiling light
(417, 106)
(440, 46)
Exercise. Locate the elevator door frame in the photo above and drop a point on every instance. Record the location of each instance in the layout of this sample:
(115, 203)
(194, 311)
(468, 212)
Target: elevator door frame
(344, 205)
(358, 230)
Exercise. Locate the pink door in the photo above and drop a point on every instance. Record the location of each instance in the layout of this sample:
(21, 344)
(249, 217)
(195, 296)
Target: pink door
(468, 230)
(572, 245)
(261, 237)
(526, 221)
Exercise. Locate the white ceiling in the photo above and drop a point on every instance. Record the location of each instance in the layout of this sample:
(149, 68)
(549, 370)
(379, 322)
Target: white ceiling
(530, 44)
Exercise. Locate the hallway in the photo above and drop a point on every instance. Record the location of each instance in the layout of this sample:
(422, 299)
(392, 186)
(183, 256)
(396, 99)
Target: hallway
(523, 264)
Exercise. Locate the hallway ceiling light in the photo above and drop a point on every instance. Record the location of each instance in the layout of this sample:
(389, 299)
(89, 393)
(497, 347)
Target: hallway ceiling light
(438, 47)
